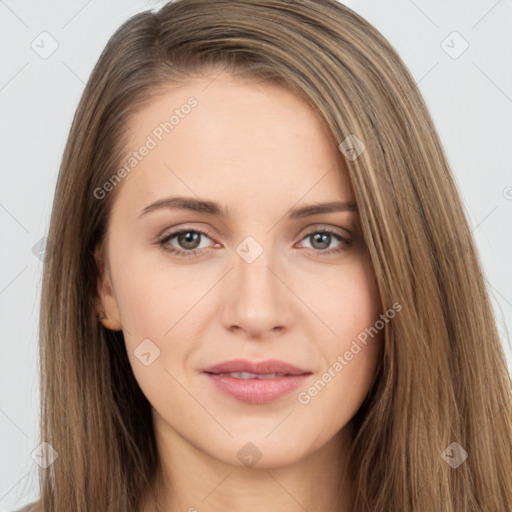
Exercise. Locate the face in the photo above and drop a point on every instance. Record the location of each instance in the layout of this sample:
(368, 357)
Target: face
(263, 278)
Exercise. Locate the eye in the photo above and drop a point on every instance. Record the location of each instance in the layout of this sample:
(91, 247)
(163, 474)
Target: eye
(189, 241)
(322, 238)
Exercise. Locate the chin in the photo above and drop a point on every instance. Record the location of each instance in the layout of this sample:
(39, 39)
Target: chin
(258, 452)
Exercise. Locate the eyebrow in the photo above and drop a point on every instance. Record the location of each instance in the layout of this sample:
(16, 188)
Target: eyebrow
(215, 209)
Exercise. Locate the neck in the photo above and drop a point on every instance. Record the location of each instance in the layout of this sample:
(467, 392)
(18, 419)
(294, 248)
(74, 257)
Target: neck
(190, 481)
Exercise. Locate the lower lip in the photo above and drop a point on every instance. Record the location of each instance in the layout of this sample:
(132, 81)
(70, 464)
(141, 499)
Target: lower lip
(257, 391)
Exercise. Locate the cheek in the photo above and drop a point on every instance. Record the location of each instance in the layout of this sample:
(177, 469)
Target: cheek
(148, 300)
(352, 309)
(153, 316)
(146, 305)
(341, 386)
(156, 306)
(349, 304)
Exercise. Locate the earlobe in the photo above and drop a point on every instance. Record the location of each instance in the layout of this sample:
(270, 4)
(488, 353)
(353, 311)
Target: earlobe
(106, 304)
(108, 320)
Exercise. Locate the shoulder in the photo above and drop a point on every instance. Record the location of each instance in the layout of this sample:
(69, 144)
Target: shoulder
(28, 508)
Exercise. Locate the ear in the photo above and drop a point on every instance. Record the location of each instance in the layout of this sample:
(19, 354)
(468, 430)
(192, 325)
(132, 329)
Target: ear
(106, 304)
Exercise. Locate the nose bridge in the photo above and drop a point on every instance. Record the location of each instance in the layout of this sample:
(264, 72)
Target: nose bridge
(253, 264)
(259, 299)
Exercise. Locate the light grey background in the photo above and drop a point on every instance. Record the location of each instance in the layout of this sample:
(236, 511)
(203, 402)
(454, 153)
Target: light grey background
(469, 97)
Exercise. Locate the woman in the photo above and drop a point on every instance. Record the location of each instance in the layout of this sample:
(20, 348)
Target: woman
(262, 292)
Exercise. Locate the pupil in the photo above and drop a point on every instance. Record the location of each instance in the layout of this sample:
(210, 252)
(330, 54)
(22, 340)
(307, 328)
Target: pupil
(323, 238)
(189, 238)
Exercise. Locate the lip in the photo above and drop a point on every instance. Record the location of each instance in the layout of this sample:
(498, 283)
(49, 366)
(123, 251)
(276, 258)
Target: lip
(267, 366)
(256, 391)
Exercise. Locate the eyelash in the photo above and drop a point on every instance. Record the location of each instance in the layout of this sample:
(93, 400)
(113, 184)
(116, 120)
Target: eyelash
(162, 241)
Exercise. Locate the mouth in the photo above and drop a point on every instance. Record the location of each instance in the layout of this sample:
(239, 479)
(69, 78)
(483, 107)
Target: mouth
(248, 375)
(256, 382)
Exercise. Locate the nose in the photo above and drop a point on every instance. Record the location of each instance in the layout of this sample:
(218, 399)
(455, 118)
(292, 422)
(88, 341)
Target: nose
(257, 300)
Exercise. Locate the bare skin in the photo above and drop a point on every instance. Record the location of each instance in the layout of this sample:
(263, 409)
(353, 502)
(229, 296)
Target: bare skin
(259, 151)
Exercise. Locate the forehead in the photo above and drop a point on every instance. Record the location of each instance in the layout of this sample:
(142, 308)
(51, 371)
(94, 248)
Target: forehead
(234, 141)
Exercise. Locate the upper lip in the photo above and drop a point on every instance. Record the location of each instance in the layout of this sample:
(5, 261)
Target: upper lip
(259, 367)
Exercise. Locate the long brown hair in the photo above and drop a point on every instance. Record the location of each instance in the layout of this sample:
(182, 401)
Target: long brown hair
(442, 378)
